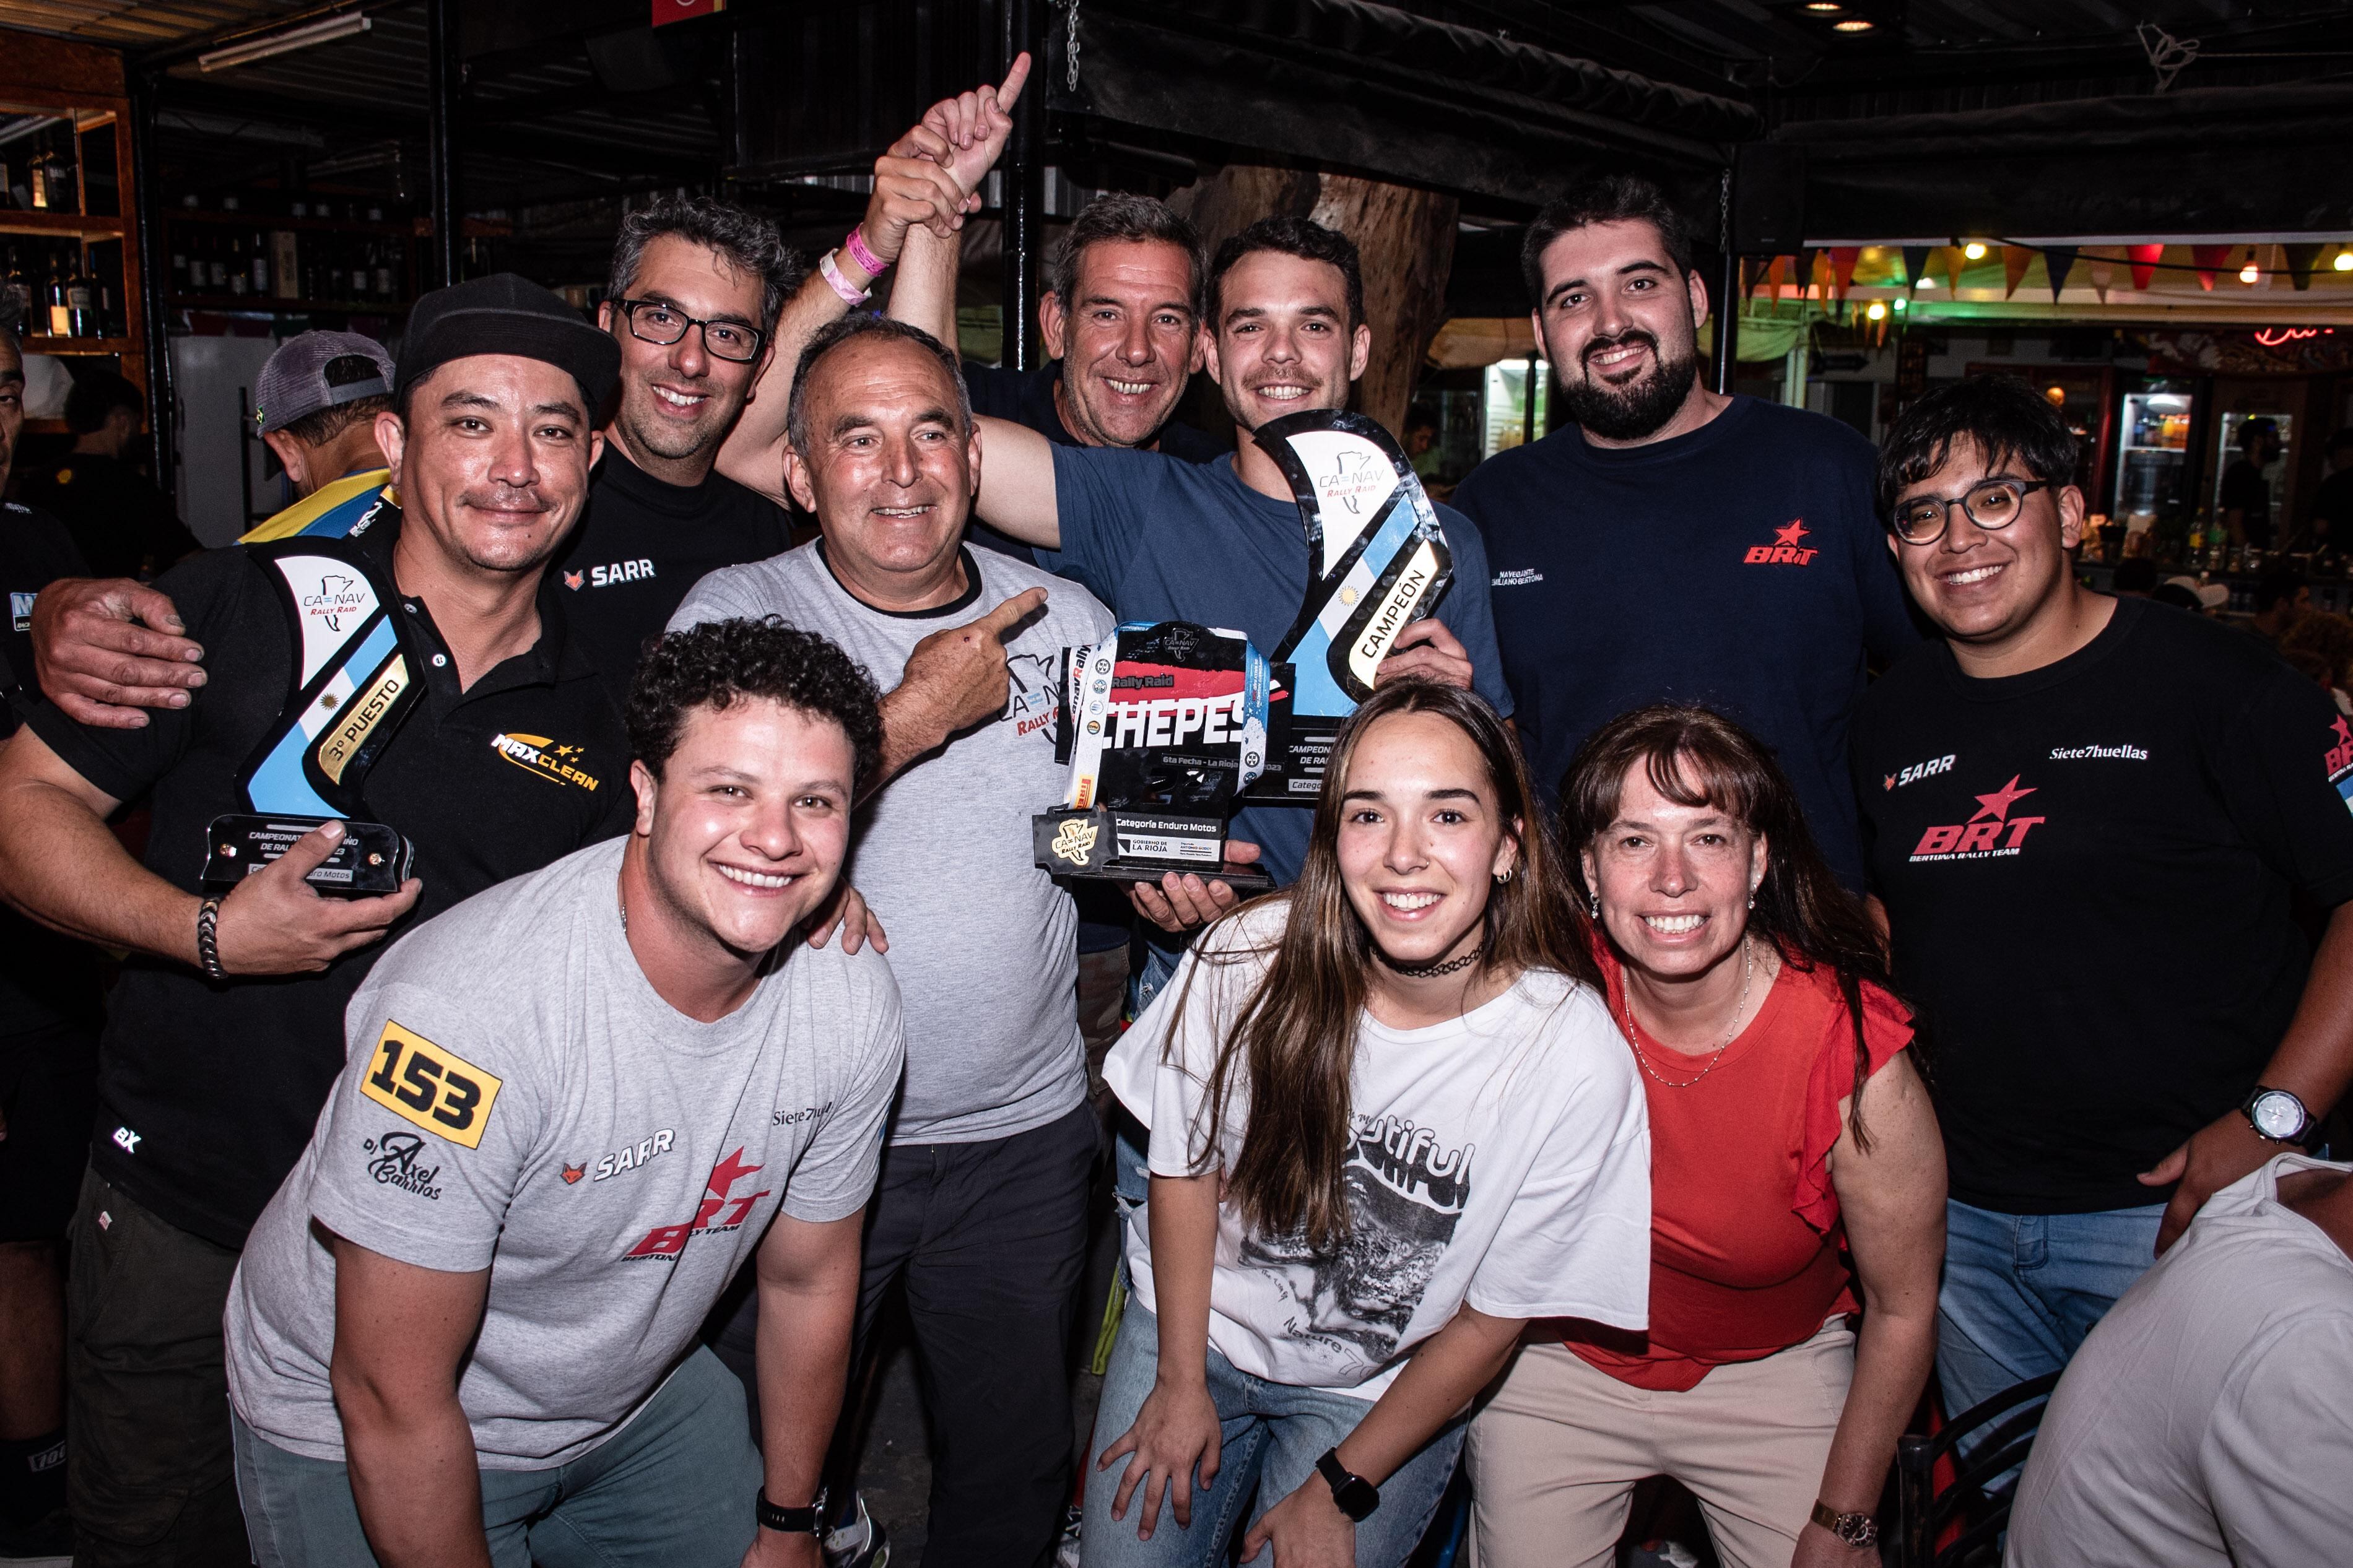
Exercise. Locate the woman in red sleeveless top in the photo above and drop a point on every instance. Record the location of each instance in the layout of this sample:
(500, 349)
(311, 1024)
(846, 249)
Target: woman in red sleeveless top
(1798, 1180)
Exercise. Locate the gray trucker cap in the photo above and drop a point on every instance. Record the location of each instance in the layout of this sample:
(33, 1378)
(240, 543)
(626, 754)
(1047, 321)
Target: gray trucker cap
(318, 370)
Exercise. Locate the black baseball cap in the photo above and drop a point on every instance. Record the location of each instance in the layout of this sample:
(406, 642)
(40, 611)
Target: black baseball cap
(507, 314)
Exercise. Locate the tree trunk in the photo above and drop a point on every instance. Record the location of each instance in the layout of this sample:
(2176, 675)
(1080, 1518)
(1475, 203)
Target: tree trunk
(1405, 235)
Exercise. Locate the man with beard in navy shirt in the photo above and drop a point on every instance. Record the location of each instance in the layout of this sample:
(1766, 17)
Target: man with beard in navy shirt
(1677, 545)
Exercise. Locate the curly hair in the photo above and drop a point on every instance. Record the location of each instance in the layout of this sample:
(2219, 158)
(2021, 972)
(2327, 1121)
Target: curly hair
(713, 664)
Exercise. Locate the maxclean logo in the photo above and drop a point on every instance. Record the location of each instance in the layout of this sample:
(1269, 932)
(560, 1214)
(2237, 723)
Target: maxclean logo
(538, 754)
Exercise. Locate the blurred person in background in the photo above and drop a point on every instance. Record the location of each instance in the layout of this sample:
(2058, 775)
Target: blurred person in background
(2283, 597)
(2245, 496)
(317, 399)
(123, 524)
(1798, 1180)
(2329, 523)
(2321, 647)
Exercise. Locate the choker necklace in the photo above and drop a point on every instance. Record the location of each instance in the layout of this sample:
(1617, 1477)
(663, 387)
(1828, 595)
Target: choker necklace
(1429, 971)
(1634, 1034)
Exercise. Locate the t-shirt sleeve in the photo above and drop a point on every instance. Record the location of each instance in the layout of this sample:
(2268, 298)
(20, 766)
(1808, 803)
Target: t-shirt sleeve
(2285, 768)
(836, 1173)
(725, 595)
(429, 1130)
(1576, 1242)
(1886, 1029)
(2280, 1446)
(1104, 497)
(1467, 612)
(208, 593)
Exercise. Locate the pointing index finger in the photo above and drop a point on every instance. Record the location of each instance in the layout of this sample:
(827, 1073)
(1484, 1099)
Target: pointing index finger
(1014, 610)
(1010, 88)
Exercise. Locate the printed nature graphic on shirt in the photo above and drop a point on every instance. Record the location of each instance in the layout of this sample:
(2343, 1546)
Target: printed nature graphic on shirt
(2340, 763)
(721, 1211)
(1405, 1193)
(1785, 550)
(1992, 833)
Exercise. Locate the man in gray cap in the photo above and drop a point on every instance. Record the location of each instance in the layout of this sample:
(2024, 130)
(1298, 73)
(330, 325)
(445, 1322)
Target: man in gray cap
(316, 407)
(225, 1031)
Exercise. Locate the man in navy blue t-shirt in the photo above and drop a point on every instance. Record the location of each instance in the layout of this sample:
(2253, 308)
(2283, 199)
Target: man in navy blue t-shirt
(1221, 543)
(1676, 545)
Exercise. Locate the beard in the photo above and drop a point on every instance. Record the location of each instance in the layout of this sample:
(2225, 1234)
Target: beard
(1631, 412)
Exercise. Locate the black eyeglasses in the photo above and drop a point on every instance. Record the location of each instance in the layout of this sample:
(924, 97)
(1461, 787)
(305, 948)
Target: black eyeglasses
(653, 322)
(1990, 503)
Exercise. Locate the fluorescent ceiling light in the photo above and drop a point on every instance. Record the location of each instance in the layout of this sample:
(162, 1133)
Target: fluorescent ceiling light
(286, 42)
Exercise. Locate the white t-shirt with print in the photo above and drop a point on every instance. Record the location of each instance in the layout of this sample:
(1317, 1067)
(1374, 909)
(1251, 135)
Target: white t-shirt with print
(1502, 1158)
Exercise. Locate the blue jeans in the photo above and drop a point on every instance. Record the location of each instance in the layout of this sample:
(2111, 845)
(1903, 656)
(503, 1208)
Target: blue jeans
(2020, 1291)
(1271, 1435)
(672, 1488)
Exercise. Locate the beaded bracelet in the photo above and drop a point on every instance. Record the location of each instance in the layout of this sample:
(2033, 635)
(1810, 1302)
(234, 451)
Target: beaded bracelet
(209, 939)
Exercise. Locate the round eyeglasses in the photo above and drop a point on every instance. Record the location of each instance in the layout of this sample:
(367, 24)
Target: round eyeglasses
(1990, 503)
(653, 322)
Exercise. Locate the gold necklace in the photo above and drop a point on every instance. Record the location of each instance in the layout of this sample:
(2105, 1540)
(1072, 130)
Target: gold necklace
(1635, 1032)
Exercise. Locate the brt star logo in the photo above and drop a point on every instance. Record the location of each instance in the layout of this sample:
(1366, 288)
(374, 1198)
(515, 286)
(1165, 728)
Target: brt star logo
(1785, 550)
(1993, 832)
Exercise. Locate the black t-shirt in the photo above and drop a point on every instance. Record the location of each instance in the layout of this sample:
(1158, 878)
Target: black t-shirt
(2334, 501)
(1742, 566)
(45, 980)
(123, 526)
(2088, 872)
(207, 1092)
(2243, 487)
(642, 545)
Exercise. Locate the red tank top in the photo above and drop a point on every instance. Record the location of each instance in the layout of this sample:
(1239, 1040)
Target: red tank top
(1746, 1239)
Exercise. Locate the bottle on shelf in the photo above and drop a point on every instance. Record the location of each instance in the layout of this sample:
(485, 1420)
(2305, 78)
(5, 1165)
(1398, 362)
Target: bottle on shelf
(17, 294)
(216, 264)
(53, 299)
(82, 319)
(258, 261)
(360, 276)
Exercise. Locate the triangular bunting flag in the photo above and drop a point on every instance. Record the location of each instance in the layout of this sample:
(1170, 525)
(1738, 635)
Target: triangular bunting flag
(1842, 260)
(2058, 260)
(1806, 267)
(1916, 262)
(2104, 273)
(2015, 260)
(1955, 262)
(1776, 275)
(2144, 258)
(2300, 261)
(2210, 260)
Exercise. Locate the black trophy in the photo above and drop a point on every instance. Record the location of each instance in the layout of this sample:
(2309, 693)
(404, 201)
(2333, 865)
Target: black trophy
(1377, 563)
(1164, 726)
(351, 687)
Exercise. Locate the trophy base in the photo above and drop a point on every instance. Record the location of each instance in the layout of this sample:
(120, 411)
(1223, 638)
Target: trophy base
(1115, 844)
(372, 860)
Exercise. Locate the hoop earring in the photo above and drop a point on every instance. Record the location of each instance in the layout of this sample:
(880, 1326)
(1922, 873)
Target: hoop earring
(1503, 876)
(1593, 905)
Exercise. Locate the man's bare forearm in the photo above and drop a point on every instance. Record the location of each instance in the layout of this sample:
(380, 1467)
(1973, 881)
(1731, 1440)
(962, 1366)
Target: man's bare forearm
(2314, 1060)
(923, 294)
(753, 453)
(60, 865)
(414, 1477)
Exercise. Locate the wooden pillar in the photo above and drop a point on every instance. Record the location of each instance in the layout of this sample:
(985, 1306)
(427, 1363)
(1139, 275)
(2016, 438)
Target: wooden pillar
(1405, 235)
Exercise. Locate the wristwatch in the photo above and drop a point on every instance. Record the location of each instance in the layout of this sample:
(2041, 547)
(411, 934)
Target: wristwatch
(809, 1520)
(2277, 1115)
(1858, 1531)
(1357, 1496)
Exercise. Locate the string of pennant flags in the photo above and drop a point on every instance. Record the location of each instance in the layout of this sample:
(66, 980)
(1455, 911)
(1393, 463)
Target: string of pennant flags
(1828, 272)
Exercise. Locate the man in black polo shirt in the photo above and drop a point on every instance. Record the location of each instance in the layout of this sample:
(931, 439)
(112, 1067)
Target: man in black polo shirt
(2092, 823)
(213, 1064)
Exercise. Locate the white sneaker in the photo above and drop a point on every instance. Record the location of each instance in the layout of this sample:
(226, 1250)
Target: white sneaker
(1066, 1551)
(862, 1543)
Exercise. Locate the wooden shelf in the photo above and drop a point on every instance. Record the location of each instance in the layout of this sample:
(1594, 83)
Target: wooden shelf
(271, 305)
(297, 225)
(37, 343)
(60, 223)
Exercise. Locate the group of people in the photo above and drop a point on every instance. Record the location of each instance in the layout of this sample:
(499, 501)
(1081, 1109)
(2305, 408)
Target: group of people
(1666, 1043)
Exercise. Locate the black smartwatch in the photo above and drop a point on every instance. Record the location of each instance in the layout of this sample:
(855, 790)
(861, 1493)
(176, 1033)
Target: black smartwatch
(2277, 1115)
(1357, 1496)
(809, 1520)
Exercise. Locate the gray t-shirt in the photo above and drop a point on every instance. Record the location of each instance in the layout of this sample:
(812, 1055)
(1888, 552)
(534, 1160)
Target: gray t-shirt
(517, 1098)
(982, 940)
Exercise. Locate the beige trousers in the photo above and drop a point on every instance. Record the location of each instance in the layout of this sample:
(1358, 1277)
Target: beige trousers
(1555, 1454)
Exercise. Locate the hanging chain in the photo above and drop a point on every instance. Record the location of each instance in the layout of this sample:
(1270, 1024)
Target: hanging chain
(1070, 49)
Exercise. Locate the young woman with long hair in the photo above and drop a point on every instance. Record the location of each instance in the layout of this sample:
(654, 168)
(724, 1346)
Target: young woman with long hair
(1391, 1121)
(1797, 1178)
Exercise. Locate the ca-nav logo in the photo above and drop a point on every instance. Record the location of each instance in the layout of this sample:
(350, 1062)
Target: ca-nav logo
(1919, 771)
(1785, 550)
(1981, 838)
(1352, 481)
(1075, 840)
(538, 754)
(336, 598)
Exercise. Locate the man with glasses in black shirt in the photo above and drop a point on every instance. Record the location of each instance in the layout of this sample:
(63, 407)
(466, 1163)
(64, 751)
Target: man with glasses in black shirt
(2092, 824)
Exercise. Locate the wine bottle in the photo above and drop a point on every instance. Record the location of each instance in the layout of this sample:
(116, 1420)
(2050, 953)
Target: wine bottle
(81, 301)
(240, 275)
(261, 255)
(53, 298)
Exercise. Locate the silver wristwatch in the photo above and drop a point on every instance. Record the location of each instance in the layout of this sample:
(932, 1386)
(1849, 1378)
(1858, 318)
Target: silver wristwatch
(1856, 1530)
(2277, 1115)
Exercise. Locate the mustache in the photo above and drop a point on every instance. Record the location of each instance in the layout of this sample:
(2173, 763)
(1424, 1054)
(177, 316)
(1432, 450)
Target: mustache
(506, 498)
(1630, 336)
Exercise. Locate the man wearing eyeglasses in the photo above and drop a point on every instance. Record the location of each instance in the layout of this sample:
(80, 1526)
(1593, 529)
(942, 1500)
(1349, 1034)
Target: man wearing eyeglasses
(2092, 824)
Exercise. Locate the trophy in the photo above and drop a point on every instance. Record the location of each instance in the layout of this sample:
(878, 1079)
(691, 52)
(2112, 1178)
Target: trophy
(1162, 726)
(1377, 563)
(352, 687)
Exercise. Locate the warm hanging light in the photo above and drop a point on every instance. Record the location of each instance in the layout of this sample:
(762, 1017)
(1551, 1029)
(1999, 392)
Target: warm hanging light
(2251, 274)
(1901, 304)
(2344, 262)
(1852, 25)
(1974, 250)
(1824, 7)
(1877, 312)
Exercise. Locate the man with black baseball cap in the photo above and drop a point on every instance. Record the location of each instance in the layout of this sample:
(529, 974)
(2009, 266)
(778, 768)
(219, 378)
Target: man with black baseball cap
(226, 1030)
(316, 404)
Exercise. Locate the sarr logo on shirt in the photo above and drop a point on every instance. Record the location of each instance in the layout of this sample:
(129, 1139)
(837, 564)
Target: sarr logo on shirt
(1785, 550)
(1976, 838)
(1919, 771)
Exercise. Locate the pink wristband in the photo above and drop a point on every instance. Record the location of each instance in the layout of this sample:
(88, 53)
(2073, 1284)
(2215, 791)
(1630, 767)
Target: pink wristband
(854, 242)
(851, 296)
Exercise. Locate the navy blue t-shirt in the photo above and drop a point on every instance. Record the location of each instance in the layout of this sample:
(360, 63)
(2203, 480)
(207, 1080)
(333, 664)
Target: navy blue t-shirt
(1159, 539)
(1742, 566)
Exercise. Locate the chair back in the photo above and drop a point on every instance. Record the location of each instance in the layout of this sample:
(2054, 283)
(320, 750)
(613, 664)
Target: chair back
(1973, 1507)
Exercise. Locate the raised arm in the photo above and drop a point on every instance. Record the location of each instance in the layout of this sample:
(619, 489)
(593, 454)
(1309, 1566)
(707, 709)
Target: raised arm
(63, 866)
(807, 1280)
(975, 125)
(1016, 483)
(401, 1332)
